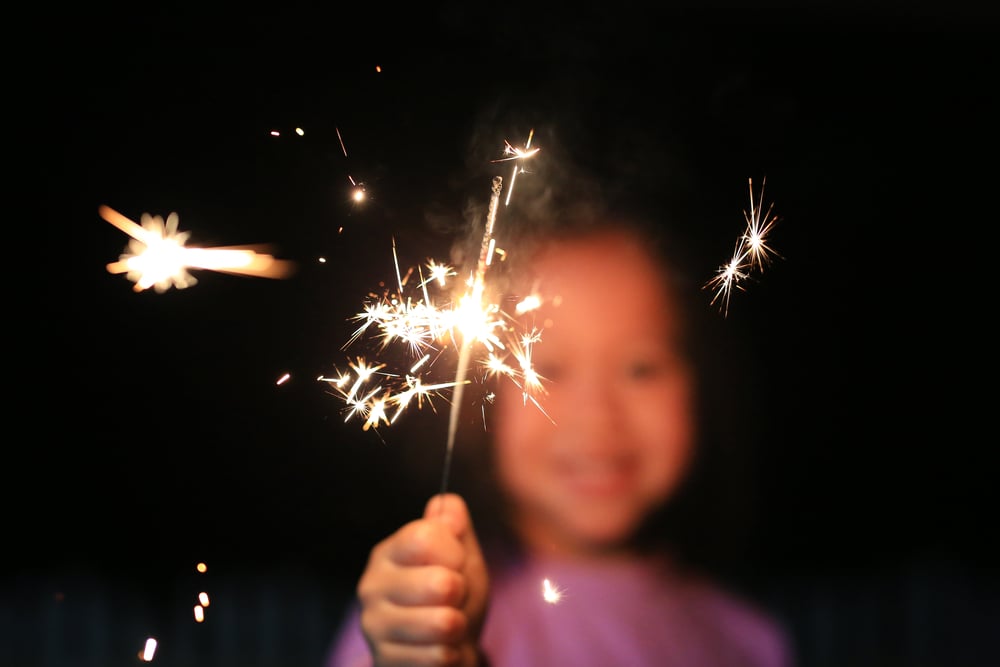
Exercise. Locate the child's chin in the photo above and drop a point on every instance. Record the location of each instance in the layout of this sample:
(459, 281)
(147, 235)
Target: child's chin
(602, 533)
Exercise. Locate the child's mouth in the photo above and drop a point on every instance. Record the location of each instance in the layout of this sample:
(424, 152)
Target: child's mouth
(598, 478)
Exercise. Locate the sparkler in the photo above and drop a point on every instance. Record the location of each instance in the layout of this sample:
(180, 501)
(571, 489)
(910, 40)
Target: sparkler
(473, 300)
(427, 329)
(751, 253)
(157, 257)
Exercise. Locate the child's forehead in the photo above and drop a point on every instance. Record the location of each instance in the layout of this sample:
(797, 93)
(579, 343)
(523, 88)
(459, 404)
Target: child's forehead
(597, 281)
(597, 258)
(609, 270)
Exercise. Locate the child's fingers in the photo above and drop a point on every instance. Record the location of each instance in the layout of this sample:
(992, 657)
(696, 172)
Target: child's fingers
(389, 623)
(417, 655)
(426, 585)
(425, 542)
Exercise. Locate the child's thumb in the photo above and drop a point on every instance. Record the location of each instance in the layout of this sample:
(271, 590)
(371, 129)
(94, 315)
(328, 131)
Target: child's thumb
(450, 509)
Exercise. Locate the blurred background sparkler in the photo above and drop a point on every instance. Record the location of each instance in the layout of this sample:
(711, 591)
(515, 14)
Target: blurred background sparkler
(157, 257)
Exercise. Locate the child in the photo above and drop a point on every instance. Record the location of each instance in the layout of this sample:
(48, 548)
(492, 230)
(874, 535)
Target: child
(581, 476)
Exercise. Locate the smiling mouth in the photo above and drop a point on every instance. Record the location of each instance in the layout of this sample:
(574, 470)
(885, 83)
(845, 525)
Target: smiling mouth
(598, 478)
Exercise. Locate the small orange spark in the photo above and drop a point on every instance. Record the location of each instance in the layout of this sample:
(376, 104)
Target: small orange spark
(201, 567)
(341, 140)
(199, 613)
(283, 379)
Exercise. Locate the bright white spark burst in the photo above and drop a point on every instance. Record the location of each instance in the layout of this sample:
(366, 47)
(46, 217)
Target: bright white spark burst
(157, 257)
(426, 329)
(424, 317)
(752, 252)
(550, 592)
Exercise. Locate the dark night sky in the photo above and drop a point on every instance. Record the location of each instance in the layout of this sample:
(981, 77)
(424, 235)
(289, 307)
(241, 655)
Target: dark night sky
(148, 429)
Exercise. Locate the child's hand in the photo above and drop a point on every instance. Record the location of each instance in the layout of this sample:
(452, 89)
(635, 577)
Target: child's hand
(423, 593)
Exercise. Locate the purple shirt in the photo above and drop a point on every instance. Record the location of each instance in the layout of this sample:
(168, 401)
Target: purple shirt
(628, 614)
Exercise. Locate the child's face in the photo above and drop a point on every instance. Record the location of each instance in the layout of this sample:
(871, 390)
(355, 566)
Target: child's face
(619, 393)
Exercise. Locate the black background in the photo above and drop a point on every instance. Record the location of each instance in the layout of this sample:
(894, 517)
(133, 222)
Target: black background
(147, 430)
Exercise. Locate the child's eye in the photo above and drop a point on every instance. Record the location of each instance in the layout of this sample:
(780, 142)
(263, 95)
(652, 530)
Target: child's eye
(549, 370)
(643, 370)
(648, 368)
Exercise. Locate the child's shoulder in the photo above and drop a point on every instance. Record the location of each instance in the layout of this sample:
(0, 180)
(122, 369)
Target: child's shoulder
(738, 618)
(696, 610)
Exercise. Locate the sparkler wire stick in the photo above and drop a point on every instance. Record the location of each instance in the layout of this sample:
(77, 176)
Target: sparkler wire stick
(466, 345)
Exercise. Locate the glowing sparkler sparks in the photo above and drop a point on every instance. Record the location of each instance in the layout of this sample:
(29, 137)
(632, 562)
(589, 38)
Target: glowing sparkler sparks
(426, 329)
(519, 154)
(157, 256)
(470, 325)
(752, 251)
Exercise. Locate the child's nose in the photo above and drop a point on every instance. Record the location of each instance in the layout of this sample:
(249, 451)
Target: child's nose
(592, 408)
